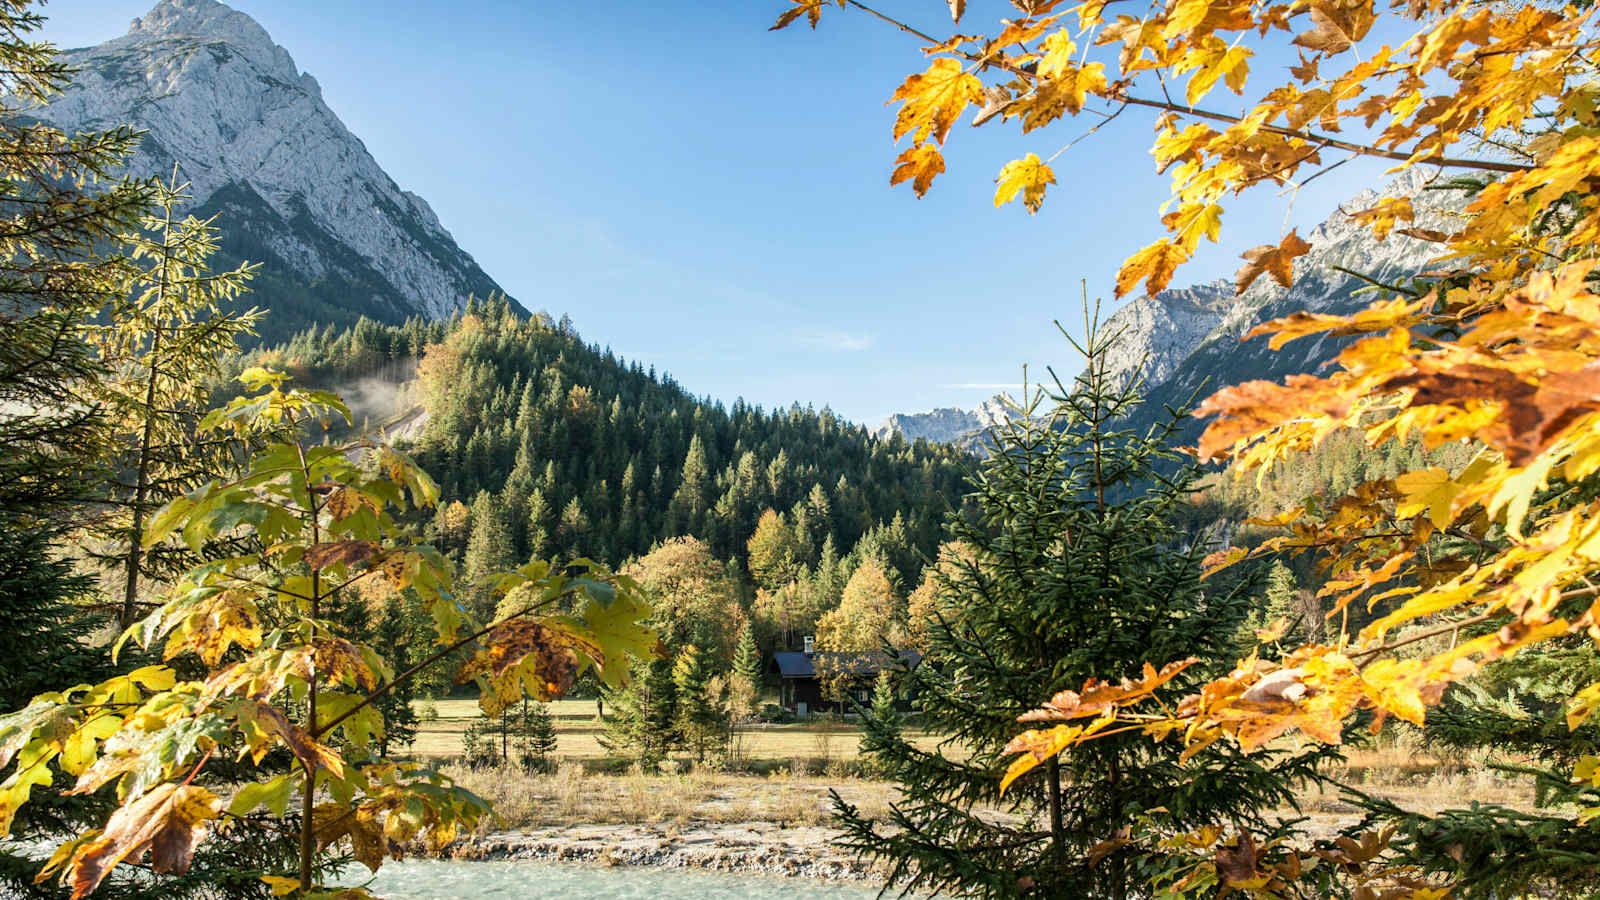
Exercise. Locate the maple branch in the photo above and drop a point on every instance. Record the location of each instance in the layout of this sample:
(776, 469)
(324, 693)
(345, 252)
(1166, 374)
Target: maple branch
(1170, 106)
(317, 732)
(1424, 635)
(902, 26)
(1361, 149)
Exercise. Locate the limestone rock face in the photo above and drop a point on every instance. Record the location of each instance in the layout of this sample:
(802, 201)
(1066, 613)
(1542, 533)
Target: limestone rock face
(1322, 284)
(298, 192)
(948, 425)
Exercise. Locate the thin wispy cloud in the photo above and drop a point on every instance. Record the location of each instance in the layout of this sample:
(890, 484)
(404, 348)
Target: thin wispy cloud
(837, 341)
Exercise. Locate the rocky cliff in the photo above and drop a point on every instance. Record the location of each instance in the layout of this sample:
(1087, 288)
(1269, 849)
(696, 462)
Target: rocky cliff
(297, 191)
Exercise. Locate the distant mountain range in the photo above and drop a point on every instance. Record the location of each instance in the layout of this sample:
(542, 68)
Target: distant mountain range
(1189, 340)
(298, 192)
(948, 425)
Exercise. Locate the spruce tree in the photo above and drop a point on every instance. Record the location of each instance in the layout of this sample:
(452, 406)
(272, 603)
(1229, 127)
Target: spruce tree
(59, 203)
(1076, 571)
(643, 714)
(394, 633)
(747, 656)
(701, 720)
(536, 736)
(489, 550)
(1514, 714)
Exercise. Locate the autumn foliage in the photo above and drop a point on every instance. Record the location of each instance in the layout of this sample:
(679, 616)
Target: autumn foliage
(276, 675)
(1496, 345)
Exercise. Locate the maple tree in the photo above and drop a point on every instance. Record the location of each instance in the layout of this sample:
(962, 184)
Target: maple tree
(278, 675)
(1497, 346)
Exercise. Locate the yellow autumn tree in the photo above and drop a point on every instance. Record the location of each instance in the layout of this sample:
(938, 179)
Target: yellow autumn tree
(1497, 344)
(863, 620)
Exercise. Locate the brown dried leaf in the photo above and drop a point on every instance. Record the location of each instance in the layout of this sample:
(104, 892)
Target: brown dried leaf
(1277, 261)
(1237, 862)
(339, 553)
(168, 823)
(305, 748)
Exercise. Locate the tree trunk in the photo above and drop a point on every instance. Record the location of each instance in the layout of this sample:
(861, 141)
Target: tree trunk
(1119, 873)
(1058, 844)
(130, 590)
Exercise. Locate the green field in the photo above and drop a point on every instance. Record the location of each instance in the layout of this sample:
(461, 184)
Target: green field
(578, 731)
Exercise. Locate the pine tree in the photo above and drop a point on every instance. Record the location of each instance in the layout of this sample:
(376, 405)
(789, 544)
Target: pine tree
(701, 720)
(536, 736)
(1076, 571)
(395, 633)
(163, 341)
(643, 714)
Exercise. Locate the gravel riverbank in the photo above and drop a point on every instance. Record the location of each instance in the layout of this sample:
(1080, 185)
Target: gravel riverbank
(764, 848)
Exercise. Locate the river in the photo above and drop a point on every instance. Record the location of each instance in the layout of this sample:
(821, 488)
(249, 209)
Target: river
(425, 879)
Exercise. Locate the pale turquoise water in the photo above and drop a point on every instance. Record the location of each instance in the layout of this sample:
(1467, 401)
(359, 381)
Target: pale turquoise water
(424, 879)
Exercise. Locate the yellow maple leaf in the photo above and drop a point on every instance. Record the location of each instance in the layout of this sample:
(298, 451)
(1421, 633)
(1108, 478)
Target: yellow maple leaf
(1216, 61)
(1027, 176)
(1194, 221)
(933, 100)
(1153, 265)
(919, 165)
(1382, 217)
(1058, 50)
(1429, 489)
(1064, 93)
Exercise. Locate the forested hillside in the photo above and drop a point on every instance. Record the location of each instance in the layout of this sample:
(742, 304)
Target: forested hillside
(553, 447)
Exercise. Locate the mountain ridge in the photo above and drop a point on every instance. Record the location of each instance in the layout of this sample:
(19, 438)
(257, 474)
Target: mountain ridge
(297, 190)
(1183, 343)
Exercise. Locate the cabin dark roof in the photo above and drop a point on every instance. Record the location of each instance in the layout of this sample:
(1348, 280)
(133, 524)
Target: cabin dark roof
(794, 664)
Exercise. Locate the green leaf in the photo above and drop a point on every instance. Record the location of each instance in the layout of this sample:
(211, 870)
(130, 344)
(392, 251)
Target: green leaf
(273, 794)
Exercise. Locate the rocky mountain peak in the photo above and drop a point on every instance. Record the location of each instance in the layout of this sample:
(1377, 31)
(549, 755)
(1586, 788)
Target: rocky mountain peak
(296, 190)
(210, 20)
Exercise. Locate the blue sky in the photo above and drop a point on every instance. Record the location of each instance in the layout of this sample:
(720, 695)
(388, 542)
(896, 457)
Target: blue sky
(713, 198)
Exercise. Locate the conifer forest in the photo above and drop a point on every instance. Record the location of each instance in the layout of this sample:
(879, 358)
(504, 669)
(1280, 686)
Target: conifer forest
(331, 569)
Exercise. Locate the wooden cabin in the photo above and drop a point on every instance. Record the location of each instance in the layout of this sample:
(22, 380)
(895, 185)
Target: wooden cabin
(800, 687)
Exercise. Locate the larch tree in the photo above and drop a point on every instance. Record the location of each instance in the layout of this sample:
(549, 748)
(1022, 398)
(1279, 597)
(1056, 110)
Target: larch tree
(695, 601)
(774, 557)
(162, 343)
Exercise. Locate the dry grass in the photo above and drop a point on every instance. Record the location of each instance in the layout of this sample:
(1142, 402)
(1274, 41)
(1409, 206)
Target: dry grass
(807, 760)
(1411, 779)
(578, 733)
(574, 796)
